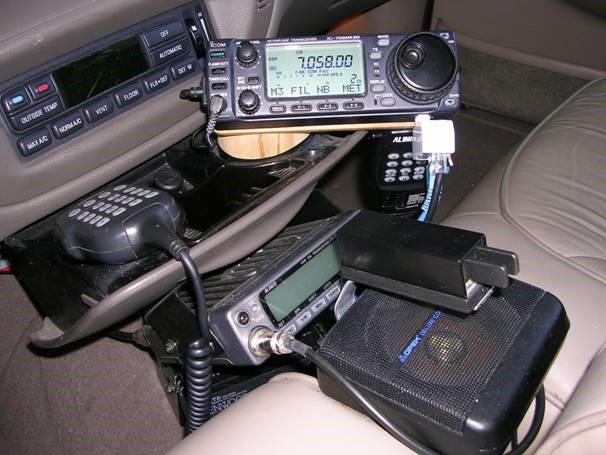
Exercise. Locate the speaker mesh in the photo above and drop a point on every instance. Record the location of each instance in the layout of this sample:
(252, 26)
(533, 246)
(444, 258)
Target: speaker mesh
(432, 363)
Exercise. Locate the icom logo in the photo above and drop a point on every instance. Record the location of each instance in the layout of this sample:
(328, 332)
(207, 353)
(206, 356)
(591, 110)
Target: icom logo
(214, 44)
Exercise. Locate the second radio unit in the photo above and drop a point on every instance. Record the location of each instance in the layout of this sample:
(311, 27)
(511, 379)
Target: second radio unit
(333, 80)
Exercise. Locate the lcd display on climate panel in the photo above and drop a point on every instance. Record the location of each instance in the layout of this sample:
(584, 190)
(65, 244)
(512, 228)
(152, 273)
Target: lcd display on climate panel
(315, 70)
(81, 80)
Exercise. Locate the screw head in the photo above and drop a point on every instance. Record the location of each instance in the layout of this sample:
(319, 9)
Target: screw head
(171, 347)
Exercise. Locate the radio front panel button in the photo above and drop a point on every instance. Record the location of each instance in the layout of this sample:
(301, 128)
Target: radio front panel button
(34, 142)
(333, 292)
(219, 85)
(156, 82)
(216, 55)
(304, 318)
(253, 80)
(328, 106)
(41, 87)
(277, 109)
(353, 105)
(169, 52)
(383, 42)
(96, 111)
(377, 88)
(319, 305)
(388, 101)
(128, 95)
(300, 107)
(242, 318)
(375, 55)
(218, 71)
(15, 100)
(36, 114)
(67, 125)
(183, 68)
(162, 34)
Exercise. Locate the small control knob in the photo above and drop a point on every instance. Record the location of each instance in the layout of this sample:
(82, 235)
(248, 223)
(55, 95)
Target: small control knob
(168, 179)
(246, 54)
(248, 102)
(422, 68)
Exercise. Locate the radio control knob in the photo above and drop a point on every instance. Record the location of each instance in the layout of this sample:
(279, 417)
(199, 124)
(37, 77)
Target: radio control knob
(248, 102)
(422, 68)
(246, 54)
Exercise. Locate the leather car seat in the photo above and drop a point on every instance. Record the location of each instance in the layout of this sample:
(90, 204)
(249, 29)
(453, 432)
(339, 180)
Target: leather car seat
(546, 201)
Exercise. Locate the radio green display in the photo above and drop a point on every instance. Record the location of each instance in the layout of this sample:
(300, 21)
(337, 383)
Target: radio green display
(314, 70)
(302, 284)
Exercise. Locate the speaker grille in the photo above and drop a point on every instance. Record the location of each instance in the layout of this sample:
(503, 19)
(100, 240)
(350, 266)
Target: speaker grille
(432, 363)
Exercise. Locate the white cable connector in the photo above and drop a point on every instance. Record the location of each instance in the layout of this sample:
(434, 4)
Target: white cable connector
(433, 141)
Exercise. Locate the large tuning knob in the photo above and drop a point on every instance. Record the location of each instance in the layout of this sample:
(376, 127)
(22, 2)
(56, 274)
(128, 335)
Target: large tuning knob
(248, 101)
(422, 68)
(246, 54)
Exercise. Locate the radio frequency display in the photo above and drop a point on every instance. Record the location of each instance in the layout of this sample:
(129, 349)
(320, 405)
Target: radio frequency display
(315, 70)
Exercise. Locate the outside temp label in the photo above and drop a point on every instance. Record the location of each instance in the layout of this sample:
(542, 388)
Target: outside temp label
(315, 70)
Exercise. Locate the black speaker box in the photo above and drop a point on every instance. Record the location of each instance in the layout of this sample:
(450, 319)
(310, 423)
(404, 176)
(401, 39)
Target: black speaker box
(459, 384)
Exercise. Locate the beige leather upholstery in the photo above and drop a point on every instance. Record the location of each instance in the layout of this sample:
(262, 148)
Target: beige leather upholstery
(265, 421)
(289, 415)
(547, 202)
(581, 428)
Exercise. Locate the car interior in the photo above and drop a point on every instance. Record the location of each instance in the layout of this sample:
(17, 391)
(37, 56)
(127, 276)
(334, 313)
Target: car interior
(303, 226)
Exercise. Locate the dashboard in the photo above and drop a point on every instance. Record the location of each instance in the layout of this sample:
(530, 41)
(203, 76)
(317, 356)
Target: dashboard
(67, 128)
(68, 96)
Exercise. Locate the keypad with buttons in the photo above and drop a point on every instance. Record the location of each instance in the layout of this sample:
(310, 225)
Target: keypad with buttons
(399, 167)
(107, 205)
(400, 179)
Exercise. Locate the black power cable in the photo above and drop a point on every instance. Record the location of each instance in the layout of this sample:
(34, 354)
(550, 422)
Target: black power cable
(198, 355)
(191, 270)
(535, 426)
(435, 197)
(427, 15)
